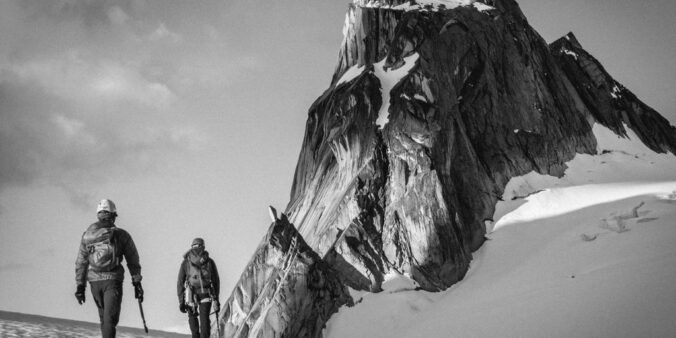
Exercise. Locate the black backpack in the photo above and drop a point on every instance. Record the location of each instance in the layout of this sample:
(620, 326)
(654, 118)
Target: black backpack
(199, 276)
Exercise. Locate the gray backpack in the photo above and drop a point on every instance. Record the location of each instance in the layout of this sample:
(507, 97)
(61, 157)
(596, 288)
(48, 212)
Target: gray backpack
(100, 244)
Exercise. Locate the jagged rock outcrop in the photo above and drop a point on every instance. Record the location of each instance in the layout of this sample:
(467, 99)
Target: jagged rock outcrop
(609, 102)
(430, 112)
(484, 101)
(287, 290)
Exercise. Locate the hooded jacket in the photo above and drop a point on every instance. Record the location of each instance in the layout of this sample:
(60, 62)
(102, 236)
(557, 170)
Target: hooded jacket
(200, 261)
(125, 248)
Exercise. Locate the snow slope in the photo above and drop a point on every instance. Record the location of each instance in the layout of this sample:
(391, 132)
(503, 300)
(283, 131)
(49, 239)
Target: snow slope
(14, 324)
(592, 254)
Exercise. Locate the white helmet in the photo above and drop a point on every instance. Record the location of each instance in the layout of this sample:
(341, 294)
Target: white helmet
(106, 205)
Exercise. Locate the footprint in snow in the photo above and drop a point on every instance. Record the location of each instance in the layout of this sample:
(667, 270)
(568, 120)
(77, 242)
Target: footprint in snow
(589, 238)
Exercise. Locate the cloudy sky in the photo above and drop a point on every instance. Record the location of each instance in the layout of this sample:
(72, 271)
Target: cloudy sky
(190, 116)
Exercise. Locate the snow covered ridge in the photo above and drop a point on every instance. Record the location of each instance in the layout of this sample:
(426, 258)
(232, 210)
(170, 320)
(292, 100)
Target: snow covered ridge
(621, 163)
(426, 5)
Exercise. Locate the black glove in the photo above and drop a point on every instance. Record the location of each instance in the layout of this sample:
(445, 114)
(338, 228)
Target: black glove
(182, 307)
(192, 310)
(80, 294)
(217, 306)
(138, 291)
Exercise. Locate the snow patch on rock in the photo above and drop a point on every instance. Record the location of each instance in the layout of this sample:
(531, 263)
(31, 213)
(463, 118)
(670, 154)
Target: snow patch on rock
(427, 5)
(389, 78)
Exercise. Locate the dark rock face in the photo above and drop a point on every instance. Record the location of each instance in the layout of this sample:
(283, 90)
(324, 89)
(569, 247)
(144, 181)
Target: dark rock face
(429, 114)
(287, 290)
(609, 102)
(485, 101)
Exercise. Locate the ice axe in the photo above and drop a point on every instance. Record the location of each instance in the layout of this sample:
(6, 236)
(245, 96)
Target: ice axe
(143, 317)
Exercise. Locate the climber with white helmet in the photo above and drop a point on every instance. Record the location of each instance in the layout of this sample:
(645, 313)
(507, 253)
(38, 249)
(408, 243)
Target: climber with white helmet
(102, 248)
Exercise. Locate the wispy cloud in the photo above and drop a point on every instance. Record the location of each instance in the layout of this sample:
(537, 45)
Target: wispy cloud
(162, 33)
(117, 82)
(72, 76)
(81, 100)
(117, 15)
(71, 141)
(109, 91)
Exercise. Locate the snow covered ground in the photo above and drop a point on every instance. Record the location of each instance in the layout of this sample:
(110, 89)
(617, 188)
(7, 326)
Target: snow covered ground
(19, 325)
(592, 254)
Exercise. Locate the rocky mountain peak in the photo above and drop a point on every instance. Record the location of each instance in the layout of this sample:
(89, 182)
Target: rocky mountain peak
(609, 102)
(429, 114)
(572, 39)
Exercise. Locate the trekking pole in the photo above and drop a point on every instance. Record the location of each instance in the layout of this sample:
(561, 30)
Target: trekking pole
(143, 317)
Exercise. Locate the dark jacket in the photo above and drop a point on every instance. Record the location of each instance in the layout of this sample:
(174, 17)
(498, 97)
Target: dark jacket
(125, 248)
(200, 261)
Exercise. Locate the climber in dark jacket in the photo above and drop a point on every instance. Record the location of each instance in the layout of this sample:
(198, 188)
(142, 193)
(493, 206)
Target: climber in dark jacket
(99, 261)
(198, 287)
